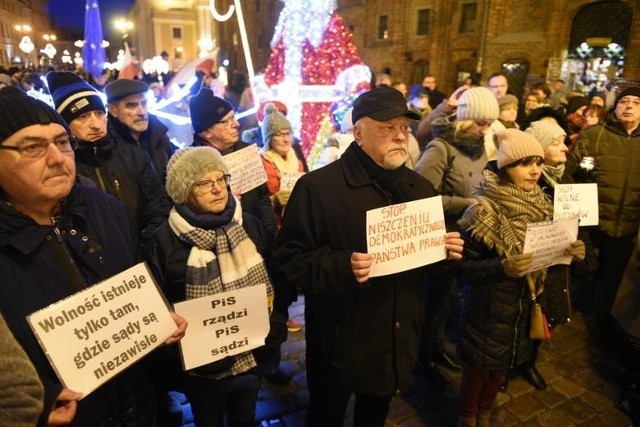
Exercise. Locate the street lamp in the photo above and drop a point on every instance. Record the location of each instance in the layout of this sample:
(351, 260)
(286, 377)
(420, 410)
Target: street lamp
(25, 45)
(124, 26)
(49, 48)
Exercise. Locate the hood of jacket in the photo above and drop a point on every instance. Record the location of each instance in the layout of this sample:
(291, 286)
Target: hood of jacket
(444, 128)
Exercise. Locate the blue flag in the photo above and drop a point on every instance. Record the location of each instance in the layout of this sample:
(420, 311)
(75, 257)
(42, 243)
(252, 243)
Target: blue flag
(93, 52)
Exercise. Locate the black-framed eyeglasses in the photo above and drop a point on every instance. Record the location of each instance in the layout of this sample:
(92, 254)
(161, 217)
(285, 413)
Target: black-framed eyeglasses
(34, 148)
(206, 185)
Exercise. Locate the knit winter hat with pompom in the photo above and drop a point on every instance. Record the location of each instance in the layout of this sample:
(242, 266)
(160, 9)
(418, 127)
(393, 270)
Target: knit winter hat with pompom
(274, 122)
(187, 166)
(514, 145)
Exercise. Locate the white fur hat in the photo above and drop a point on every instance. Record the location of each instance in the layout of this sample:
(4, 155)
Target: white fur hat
(187, 166)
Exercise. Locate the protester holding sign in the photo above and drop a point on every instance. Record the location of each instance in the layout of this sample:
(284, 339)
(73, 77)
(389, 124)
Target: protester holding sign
(361, 332)
(214, 125)
(56, 238)
(557, 293)
(497, 302)
(209, 246)
(278, 157)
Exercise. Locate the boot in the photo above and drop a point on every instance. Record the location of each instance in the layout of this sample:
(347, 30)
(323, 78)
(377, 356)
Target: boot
(466, 422)
(484, 415)
(531, 374)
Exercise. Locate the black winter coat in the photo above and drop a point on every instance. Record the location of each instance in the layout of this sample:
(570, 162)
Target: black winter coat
(94, 231)
(154, 141)
(167, 257)
(126, 172)
(367, 334)
(497, 310)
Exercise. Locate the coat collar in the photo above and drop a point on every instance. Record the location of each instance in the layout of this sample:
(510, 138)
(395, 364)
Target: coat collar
(25, 235)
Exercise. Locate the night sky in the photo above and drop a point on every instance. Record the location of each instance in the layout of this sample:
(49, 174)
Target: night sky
(70, 13)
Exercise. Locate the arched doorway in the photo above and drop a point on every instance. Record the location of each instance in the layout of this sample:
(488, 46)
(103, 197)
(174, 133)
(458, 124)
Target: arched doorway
(597, 45)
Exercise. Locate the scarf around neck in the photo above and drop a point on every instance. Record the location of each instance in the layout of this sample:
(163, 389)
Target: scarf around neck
(395, 182)
(222, 258)
(553, 174)
(499, 218)
(290, 164)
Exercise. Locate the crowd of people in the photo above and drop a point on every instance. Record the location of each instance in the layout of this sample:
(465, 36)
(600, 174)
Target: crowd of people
(89, 190)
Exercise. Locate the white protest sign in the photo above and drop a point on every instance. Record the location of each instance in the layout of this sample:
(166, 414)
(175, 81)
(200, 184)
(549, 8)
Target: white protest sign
(223, 324)
(289, 179)
(576, 199)
(548, 240)
(246, 169)
(406, 236)
(97, 333)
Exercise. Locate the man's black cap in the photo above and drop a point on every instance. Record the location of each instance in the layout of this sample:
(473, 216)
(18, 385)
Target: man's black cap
(381, 103)
(122, 88)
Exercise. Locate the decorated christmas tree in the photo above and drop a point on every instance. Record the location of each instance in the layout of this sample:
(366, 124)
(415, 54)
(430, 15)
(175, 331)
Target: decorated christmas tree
(314, 68)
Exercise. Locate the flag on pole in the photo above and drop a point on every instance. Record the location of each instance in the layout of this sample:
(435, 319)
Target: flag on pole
(93, 53)
(129, 69)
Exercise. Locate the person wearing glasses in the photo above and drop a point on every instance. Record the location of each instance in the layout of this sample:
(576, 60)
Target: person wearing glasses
(122, 170)
(278, 156)
(56, 238)
(130, 119)
(614, 149)
(361, 331)
(215, 125)
(207, 246)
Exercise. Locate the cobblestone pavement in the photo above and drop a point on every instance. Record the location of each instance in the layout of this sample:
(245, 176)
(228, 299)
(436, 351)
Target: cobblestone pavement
(582, 389)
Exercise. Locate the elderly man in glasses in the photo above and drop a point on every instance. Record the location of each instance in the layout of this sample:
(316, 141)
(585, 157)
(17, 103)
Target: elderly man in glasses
(56, 238)
(214, 125)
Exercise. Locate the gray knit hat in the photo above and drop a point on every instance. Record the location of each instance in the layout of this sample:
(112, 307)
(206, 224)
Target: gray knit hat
(477, 103)
(187, 166)
(545, 131)
(514, 145)
(274, 122)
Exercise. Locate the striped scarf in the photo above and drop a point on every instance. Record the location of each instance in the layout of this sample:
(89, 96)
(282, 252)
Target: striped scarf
(221, 259)
(499, 218)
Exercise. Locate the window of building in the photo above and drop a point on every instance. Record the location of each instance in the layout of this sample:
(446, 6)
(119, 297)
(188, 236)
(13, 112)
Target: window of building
(177, 52)
(383, 27)
(422, 28)
(176, 32)
(468, 18)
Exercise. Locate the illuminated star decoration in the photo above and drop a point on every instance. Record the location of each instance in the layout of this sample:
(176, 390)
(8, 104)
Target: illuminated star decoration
(92, 52)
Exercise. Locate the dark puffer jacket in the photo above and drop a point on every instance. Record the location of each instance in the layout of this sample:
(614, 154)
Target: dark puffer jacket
(617, 172)
(497, 311)
(93, 229)
(126, 172)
